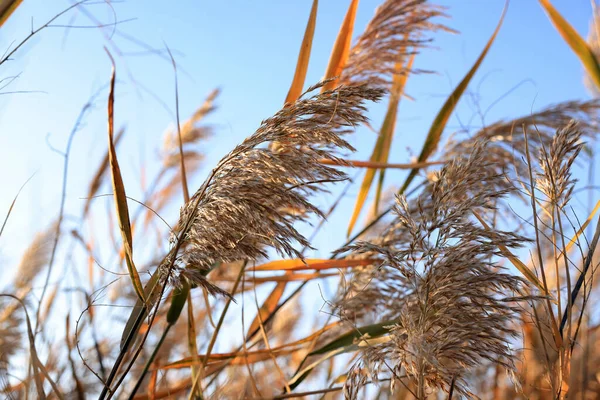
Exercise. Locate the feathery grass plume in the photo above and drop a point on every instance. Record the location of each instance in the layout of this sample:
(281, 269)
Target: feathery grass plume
(440, 281)
(10, 337)
(398, 29)
(172, 186)
(191, 133)
(506, 150)
(35, 258)
(555, 180)
(239, 211)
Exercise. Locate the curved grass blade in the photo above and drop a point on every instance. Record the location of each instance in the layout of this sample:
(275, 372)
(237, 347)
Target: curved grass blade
(440, 121)
(348, 338)
(381, 151)
(575, 41)
(7, 7)
(12, 205)
(271, 302)
(178, 300)
(99, 175)
(119, 192)
(341, 48)
(238, 358)
(297, 264)
(343, 344)
(289, 277)
(587, 261)
(391, 126)
(575, 238)
(303, 57)
(38, 367)
(302, 64)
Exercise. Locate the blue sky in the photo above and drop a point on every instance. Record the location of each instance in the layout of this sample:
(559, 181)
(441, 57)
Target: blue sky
(249, 49)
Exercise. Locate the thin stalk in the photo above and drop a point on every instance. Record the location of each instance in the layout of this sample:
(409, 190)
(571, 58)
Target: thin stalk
(213, 339)
(586, 266)
(150, 360)
(567, 313)
(63, 198)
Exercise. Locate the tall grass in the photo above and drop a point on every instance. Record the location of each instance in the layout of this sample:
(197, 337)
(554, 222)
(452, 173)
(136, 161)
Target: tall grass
(476, 282)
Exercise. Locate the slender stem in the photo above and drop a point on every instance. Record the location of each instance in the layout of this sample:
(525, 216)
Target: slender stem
(63, 198)
(586, 266)
(150, 361)
(213, 339)
(451, 391)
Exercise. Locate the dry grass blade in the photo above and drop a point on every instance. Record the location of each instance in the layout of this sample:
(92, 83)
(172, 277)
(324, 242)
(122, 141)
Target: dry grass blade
(7, 7)
(297, 85)
(575, 41)
(141, 308)
(192, 342)
(389, 125)
(38, 367)
(303, 57)
(12, 205)
(593, 40)
(575, 238)
(382, 147)
(341, 48)
(439, 124)
(237, 358)
(380, 165)
(287, 278)
(119, 193)
(587, 262)
(99, 175)
(310, 264)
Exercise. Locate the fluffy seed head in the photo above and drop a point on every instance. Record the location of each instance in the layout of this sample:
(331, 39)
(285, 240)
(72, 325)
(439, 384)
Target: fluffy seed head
(555, 181)
(242, 209)
(439, 284)
(398, 29)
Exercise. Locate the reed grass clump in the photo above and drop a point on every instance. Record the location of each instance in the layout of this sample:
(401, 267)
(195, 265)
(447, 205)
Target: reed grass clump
(472, 277)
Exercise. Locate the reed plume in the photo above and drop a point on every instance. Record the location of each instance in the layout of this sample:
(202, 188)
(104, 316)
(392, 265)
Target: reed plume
(192, 131)
(508, 140)
(555, 180)
(440, 285)
(398, 29)
(252, 186)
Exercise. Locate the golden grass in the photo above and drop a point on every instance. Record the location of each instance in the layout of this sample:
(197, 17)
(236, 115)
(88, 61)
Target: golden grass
(447, 292)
